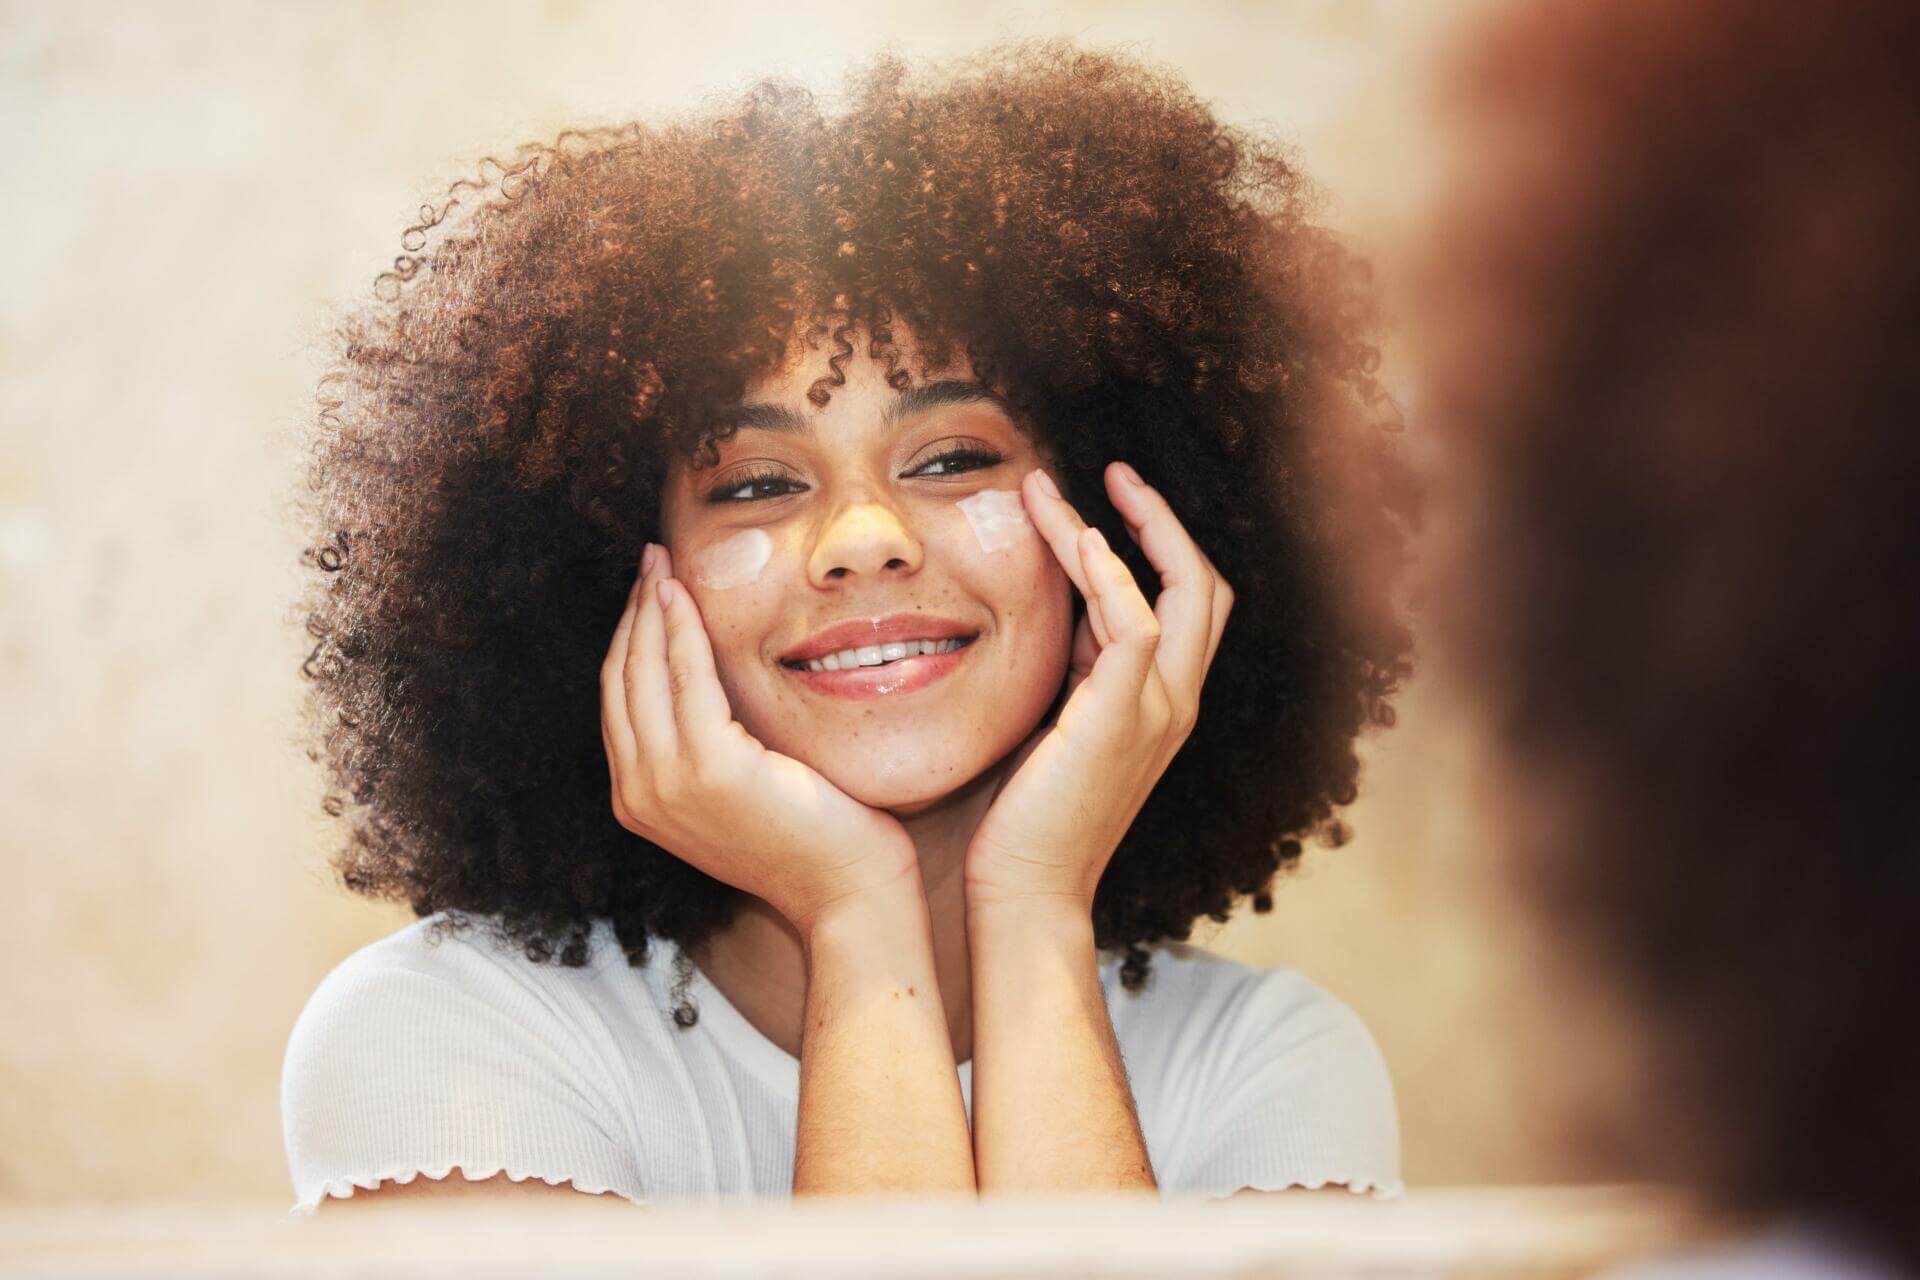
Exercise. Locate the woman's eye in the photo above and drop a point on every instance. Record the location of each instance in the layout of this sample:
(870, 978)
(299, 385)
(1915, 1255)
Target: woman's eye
(755, 485)
(955, 461)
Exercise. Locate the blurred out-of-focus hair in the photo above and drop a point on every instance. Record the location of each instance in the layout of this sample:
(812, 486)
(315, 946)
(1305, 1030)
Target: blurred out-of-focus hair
(1675, 361)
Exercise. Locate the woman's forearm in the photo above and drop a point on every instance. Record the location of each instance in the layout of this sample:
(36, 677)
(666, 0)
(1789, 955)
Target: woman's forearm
(880, 1104)
(1051, 1107)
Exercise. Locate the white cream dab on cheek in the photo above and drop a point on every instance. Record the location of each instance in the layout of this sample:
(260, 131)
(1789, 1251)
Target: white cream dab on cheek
(998, 518)
(734, 561)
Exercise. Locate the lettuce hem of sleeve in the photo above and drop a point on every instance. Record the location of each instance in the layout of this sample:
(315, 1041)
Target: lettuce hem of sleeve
(343, 1187)
(1360, 1185)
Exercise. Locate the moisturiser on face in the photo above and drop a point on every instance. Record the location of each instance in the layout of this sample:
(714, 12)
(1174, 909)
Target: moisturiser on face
(998, 518)
(734, 561)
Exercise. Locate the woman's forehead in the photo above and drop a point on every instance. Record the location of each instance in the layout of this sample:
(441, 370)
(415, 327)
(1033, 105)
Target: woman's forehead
(882, 407)
(815, 347)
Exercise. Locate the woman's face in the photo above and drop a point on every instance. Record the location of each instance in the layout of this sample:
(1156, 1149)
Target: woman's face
(883, 517)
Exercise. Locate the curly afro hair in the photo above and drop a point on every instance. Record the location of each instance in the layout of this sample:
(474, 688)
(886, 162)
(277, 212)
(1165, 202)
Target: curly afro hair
(1137, 279)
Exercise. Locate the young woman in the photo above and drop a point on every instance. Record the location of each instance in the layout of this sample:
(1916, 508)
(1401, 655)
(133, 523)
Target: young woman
(948, 434)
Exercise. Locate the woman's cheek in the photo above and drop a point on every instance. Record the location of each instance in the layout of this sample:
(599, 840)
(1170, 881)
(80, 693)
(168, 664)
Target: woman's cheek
(995, 538)
(997, 518)
(736, 560)
(1014, 565)
(735, 582)
(1000, 539)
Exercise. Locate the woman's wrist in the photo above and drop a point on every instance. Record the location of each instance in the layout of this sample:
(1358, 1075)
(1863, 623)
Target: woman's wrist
(1061, 923)
(888, 872)
(877, 918)
(1054, 910)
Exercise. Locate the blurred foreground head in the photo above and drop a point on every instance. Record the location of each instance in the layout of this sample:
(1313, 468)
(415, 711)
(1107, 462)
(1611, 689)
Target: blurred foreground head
(1673, 345)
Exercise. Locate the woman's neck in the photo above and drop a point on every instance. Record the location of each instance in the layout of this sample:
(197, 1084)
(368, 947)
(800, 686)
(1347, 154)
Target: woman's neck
(757, 963)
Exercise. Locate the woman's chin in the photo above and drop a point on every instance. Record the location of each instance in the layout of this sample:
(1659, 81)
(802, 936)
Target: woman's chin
(900, 790)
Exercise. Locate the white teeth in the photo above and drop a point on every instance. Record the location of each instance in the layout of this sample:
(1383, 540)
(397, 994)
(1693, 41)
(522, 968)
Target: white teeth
(873, 655)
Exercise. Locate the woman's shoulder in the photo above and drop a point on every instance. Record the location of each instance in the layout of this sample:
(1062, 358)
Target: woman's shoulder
(421, 960)
(461, 978)
(1255, 1076)
(439, 948)
(470, 953)
(1205, 993)
(436, 1047)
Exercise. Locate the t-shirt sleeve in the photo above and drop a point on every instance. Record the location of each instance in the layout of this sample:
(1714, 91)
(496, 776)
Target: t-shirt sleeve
(1298, 1096)
(423, 1060)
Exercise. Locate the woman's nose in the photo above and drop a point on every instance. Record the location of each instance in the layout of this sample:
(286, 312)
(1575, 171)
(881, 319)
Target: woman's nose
(865, 539)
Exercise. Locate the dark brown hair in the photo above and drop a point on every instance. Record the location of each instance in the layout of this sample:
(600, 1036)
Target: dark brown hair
(1688, 431)
(1141, 282)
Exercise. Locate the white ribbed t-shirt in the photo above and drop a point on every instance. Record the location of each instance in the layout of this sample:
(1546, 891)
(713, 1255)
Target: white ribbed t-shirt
(420, 1054)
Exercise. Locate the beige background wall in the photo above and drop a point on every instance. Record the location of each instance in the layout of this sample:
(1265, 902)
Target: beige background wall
(188, 189)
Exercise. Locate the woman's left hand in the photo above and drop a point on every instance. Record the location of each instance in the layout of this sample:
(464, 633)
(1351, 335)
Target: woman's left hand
(1132, 695)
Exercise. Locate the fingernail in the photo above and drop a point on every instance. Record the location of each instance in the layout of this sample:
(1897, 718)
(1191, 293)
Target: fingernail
(1131, 476)
(665, 591)
(1047, 485)
(648, 558)
(1099, 537)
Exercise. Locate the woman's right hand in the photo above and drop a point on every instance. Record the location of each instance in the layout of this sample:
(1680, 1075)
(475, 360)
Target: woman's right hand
(690, 778)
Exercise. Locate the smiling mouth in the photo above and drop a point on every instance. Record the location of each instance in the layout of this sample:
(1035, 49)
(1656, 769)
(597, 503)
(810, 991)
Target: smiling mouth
(867, 657)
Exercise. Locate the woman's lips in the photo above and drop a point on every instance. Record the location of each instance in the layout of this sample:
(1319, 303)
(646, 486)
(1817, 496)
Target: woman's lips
(903, 675)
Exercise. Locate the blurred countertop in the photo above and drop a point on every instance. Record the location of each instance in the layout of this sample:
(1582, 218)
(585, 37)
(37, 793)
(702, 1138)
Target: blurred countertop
(1454, 1231)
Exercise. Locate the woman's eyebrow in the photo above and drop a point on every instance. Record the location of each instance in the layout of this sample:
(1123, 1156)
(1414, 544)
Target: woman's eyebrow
(936, 394)
(952, 391)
